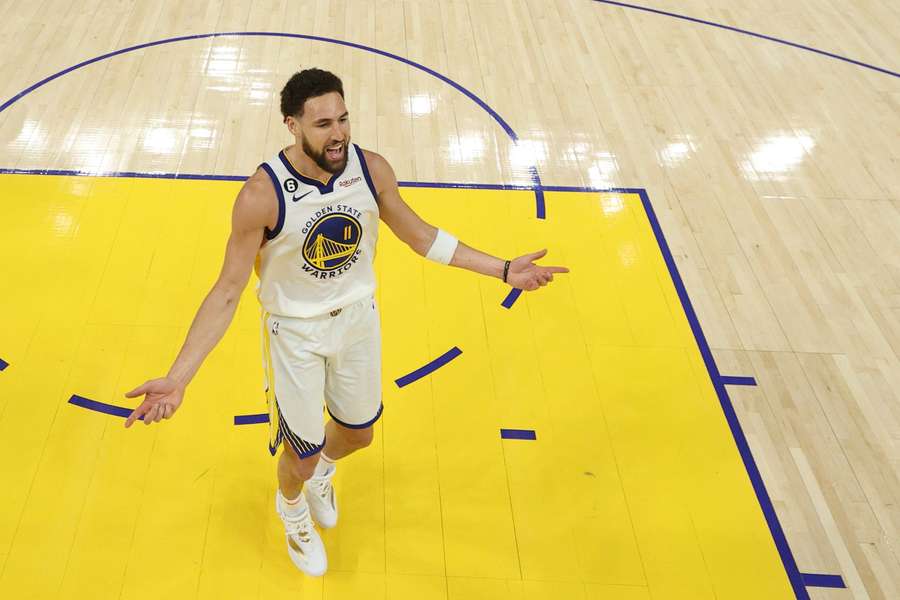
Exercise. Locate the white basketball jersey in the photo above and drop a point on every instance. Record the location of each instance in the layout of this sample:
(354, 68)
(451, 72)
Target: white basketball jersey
(319, 256)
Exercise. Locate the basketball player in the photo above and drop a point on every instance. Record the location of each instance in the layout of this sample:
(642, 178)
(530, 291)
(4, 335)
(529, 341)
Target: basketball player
(308, 219)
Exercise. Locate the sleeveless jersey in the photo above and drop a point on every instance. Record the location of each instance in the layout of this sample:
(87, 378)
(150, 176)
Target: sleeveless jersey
(318, 258)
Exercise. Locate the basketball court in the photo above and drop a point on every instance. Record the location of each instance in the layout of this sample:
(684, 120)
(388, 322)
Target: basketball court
(705, 407)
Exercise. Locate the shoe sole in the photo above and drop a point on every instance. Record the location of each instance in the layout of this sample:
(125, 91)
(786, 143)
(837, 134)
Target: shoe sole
(293, 556)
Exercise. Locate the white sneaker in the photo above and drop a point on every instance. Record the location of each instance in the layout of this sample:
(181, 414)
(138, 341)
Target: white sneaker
(321, 499)
(305, 547)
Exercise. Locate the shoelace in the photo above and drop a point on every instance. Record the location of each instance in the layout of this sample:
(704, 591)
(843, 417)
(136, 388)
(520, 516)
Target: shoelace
(320, 485)
(299, 525)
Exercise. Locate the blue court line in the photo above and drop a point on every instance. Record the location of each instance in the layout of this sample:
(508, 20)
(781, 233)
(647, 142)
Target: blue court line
(511, 298)
(516, 187)
(535, 176)
(518, 434)
(409, 184)
(825, 581)
(132, 174)
(735, 380)
(109, 409)
(753, 34)
(3, 364)
(121, 411)
(781, 543)
(434, 365)
(466, 186)
(538, 194)
(251, 419)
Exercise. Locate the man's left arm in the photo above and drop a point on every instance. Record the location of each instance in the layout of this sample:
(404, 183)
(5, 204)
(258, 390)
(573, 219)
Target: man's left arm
(521, 272)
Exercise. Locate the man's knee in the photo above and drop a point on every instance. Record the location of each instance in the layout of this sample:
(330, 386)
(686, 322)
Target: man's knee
(356, 438)
(301, 468)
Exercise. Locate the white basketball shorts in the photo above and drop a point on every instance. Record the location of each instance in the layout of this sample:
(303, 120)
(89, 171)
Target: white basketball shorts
(333, 360)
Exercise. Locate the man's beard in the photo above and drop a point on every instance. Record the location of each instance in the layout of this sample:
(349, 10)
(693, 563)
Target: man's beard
(321, 159)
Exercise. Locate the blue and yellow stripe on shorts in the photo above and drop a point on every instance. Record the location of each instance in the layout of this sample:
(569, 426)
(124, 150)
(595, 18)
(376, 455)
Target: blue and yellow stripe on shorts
(269, 373)
(278, 428)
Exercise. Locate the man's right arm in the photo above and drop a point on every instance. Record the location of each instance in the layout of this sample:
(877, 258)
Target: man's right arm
(254, 209)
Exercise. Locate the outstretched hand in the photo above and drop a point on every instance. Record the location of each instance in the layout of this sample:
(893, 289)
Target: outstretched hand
(526, 275)
(163, 396)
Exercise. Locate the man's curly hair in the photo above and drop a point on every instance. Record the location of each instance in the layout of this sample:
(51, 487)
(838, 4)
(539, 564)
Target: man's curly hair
(308, 83)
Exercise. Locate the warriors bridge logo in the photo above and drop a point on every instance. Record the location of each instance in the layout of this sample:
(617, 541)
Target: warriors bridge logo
(332, 240)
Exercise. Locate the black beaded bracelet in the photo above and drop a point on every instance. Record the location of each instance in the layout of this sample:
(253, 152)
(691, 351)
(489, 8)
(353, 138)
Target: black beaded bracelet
(505, 270)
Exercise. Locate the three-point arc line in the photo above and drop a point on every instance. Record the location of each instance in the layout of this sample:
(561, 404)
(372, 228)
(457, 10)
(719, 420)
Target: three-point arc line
(537, 186)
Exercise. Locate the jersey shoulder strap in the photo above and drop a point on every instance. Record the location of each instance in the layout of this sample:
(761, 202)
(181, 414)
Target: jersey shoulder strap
(283, 183)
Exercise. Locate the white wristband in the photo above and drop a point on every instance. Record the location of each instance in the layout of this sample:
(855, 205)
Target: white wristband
(443, 248)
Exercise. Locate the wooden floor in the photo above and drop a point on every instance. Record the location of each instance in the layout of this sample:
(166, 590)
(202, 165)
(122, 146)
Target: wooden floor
(774, 172)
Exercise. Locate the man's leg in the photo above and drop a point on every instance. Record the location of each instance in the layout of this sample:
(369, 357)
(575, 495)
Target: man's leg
(295, 377)
(341, 441)
(305, 546)
(353, 384)
(353, 399)
(293, 471)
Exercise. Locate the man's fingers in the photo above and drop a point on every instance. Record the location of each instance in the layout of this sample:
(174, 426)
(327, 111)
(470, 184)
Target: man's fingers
(135, 415)
(557, 269)
(138, 391)
(536, 255)
(152, 413)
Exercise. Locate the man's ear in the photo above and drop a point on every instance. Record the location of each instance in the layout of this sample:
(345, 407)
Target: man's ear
(292, 124)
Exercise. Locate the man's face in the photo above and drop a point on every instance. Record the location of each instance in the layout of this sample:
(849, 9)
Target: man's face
(324, 131)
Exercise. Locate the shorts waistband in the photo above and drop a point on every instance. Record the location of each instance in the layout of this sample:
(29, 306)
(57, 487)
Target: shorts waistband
(333, 313)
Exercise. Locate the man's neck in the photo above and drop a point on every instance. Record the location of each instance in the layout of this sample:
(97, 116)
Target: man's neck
(305, 165)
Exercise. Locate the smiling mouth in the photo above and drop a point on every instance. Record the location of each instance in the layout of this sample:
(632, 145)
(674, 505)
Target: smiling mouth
(335, 152)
